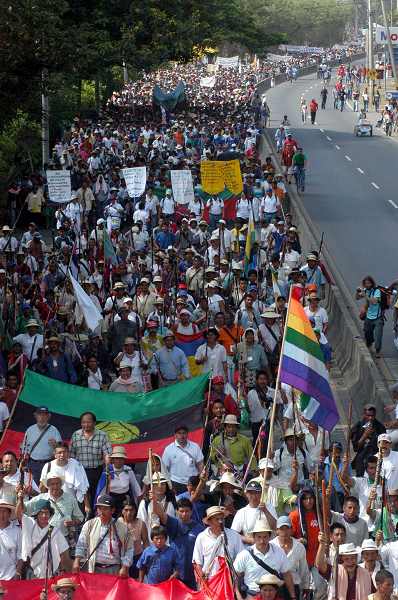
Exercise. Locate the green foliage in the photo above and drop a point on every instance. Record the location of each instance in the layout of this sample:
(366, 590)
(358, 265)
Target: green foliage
(10, 150)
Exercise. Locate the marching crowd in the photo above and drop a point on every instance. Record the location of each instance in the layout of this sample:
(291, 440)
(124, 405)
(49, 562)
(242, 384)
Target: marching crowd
(180, 271)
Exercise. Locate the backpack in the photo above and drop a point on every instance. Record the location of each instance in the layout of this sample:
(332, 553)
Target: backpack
(385, 300)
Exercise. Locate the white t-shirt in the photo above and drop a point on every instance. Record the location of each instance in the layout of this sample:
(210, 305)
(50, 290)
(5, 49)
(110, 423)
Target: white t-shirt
(4, 414)
(215, 359)
(181, 462)
(10, 550)
(245, 518)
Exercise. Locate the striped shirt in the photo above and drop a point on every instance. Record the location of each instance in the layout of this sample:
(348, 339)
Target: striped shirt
(90, 453)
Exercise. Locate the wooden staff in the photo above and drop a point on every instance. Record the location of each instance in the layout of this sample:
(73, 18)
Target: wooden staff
(323, 442)
(377, 476)
(347, 450)
(294, 427)
(150, 477)
(332, 467)
(14, 406)
(208, 403)
(325, 518)
(318, 508)
(272, 419)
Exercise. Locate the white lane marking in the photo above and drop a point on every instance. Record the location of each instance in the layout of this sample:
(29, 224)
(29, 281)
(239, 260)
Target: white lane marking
(352, 108)
(321, 130)
(328, 138)
(311, 87)
(338, 147)
(306, 91)
(348, 158)
(375, 185)
(360, 170)
(393, 203)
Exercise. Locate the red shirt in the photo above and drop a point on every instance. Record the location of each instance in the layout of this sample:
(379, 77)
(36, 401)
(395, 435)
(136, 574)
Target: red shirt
(231, 408)
(313, 106)
(312, 533)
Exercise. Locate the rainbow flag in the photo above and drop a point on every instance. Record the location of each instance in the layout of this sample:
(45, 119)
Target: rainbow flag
(303, 368)
(189, 344)
(251, 238)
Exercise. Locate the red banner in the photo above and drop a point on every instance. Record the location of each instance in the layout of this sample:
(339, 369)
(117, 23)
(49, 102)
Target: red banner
(110, 587)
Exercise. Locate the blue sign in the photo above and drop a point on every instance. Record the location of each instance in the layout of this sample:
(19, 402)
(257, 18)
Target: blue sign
(391, 95)
(395, 49)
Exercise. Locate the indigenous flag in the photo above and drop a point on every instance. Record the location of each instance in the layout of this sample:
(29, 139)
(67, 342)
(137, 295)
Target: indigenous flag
(137, 421)
(251, 238)
(303, 367)
(275, 285)
(107, 247)
(111, 587)
(189, 344)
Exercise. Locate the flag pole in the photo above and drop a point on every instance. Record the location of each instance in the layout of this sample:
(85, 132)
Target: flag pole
(14, 406)
(272, 419)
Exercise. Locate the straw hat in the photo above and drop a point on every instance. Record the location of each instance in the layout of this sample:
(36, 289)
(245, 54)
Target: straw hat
(288, 433)
(64, 582)
(53, 338)
(213, 511)
(11, 507)
(231, 420)
(53, 475)
(269, 580)
(118, 452)
(270, 313)
(227, 478)
(262, 527)
(32, 323)
(348, 550)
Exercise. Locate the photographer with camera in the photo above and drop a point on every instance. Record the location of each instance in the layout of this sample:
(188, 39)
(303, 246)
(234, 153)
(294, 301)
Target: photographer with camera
(373, 318)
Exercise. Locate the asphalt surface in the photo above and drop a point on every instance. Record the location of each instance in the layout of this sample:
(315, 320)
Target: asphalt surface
(351, 188)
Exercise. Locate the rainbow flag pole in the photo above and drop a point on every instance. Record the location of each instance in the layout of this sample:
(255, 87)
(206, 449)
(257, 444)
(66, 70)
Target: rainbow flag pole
(251, 238)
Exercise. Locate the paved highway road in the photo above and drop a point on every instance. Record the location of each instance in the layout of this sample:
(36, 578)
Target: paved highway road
(351, 188)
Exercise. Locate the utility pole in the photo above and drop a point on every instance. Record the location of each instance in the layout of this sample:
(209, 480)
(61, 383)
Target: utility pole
(389, 42)
(45, 126)
(370, 44)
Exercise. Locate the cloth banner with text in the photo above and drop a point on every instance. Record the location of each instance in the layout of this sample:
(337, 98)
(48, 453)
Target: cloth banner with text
(59, 188)
(208, 81)
(135, 181)
(182, 186)
(227, 62)
(216, 174)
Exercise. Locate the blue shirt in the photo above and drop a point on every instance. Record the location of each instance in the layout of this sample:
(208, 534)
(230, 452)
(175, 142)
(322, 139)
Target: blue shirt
(327, 355)
(164, 241)
(65, 369)
(336, 483)
(374, 310)
(163, 567)
(199, 508)
(179, 359)
(43, 450)
(183, 537)
(314, 276)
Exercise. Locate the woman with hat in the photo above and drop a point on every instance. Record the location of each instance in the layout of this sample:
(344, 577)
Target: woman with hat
(209, 544)
(269, 586)
(251, 561)
(126, 382)
(212, 356)
(123, 481)
(10, 543)
(165, 498)
(54, 550)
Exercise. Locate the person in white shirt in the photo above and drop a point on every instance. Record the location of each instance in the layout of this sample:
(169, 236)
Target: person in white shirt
(13, 478)
(320, 315)
(260, 400)
(246, 518)
(209, 544)
(11, 562)
(292, 258)
(4, 415)
(138, 238)
(212, 355)
(168, 205)
(31, 341)
(141, 214)
(270, 205)
(216, 210)
(113, 213)
(165, 498)
(390, 461)
(295, 552)
(183, 459)
(123, 480)
(270, 554)
(74, 211)
(267, 227)
(226, 236)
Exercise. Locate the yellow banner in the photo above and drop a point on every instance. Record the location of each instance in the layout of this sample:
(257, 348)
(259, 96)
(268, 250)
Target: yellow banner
(233, 176)
(212, 177)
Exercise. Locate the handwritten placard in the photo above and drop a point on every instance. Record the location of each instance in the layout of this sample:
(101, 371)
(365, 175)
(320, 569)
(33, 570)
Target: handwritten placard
(59, 187)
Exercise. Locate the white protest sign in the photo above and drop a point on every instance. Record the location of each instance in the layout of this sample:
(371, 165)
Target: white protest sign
(135, 181)
(227, 62)
(181, 183)
(59, 189)
(208, 81)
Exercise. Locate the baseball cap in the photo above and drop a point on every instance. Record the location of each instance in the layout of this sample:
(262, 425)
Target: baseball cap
(338, 444)
(321, 468)
(218, 379)
(384, 437)
(393, 388)
(261, 464)
(283, 521)
(105, 500)
(181, 426)
(42, 408)
(253, 486)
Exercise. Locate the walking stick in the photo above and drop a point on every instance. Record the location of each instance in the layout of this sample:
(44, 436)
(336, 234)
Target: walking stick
(332, 468)
(325, 519)
(208, 403)
(318, 508)
(150, 477)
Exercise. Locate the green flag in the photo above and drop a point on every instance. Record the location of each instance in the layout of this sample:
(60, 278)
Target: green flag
(109, 251)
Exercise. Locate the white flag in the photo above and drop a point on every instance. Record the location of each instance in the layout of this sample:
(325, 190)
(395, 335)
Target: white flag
(87, 306)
